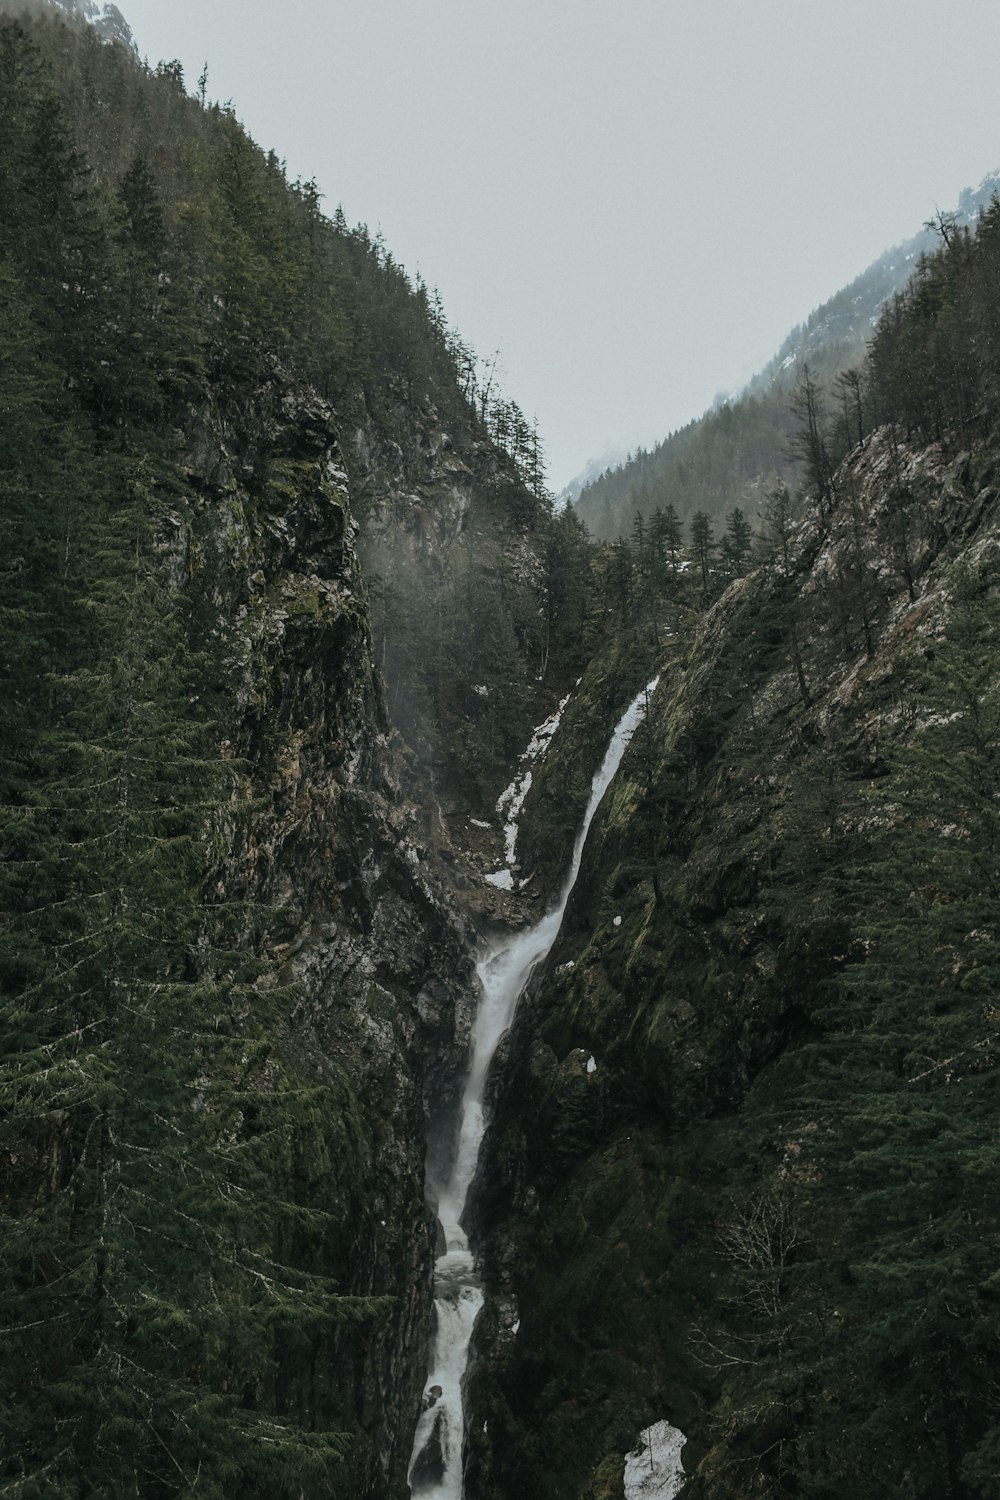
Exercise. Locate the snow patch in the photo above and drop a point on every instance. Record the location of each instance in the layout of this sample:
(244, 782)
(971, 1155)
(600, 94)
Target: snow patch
(618, 921)
(654, 1470)
(515, 794)
(591, 1065)
(511, 800)
(478, 823)
(502, 879)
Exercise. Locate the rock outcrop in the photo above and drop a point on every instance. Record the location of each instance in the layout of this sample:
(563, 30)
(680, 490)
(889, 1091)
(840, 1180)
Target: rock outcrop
(372, 948)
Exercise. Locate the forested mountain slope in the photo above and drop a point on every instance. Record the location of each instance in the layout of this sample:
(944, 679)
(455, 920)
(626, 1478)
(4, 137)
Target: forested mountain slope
(231, 982)
(281, 597)
(735, 453)
(741, 1171)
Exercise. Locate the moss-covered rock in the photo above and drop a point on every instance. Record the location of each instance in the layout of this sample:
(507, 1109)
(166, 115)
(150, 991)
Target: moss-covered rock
(668, 1223)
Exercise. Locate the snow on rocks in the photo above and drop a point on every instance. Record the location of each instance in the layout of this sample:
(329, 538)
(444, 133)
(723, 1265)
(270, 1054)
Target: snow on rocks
(511, 800)
(591, 1065)
(654, 1470)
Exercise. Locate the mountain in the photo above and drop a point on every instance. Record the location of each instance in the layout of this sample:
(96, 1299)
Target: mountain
(236, 981)
(611, 458)
(836, 335)
(305, 687)
(106, 20)
(735, 1183)
(743, 446)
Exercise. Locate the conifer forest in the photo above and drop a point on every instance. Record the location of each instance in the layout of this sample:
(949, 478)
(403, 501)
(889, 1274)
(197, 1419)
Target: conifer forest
(306, 684)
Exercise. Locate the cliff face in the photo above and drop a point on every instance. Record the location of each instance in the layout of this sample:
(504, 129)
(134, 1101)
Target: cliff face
(238, 938)
(695, 1203)
(452, 543)
(375, 954)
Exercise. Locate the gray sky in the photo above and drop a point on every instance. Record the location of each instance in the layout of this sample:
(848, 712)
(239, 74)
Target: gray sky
(634, 200)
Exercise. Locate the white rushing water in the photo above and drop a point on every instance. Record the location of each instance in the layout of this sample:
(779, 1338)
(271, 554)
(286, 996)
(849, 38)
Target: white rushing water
(503, 971)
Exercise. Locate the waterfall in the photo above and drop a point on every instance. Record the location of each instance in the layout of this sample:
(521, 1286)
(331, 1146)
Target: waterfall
(503, 971)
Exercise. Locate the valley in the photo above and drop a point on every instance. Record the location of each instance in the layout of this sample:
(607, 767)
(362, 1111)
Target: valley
(492, 1008)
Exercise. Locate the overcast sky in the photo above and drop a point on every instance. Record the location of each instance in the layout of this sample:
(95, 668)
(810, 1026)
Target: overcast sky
(634, 200)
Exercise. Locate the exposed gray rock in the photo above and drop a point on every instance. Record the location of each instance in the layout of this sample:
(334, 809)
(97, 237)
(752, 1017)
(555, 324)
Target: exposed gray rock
(373, 951)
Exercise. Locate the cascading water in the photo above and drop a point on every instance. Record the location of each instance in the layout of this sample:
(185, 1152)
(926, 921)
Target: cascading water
(503, 971)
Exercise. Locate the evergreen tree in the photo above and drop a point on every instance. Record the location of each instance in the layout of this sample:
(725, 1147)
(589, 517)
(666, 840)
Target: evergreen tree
(910, 1069)
(666, 536)
(810, 440)
(739, 539)
(702, 547)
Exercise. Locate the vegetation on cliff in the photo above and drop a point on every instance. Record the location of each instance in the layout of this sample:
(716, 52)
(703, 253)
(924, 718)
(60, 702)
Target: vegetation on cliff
(215, 1255)
(229, 982)
(765, 1212)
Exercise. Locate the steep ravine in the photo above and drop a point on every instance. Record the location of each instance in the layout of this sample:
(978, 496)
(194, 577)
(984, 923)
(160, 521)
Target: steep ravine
(378, 901)
(505, 967)
(269, 664)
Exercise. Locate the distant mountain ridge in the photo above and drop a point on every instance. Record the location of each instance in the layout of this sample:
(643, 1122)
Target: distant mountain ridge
(613, 457)
(848, 318)
(732, 454)
(107, 20)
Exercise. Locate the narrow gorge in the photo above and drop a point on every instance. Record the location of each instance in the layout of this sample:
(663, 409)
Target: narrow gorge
(504, 970)
(391, 1109)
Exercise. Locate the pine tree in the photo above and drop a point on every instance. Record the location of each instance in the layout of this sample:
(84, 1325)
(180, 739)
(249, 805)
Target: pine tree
(739, 538)
(666, 535)
(895, 1109)
(810, 440)
(702, 547)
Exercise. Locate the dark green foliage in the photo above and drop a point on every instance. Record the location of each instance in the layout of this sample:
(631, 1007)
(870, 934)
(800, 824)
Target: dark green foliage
(934, 355)
(567, 590)
(241, 264)
(861, 1324)
(710, 465)
(784, 948)
(900, 1108)
(168, 1245)
(809, 440)
(665, 534)
(702, 548)
(736, 544)
(147, 1267)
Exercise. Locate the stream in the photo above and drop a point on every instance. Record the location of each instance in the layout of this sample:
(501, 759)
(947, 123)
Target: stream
(503, 970)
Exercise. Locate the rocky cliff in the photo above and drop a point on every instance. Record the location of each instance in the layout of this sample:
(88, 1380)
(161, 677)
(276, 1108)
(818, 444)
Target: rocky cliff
(373, 950)
(243, 938)
(680, 1208)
